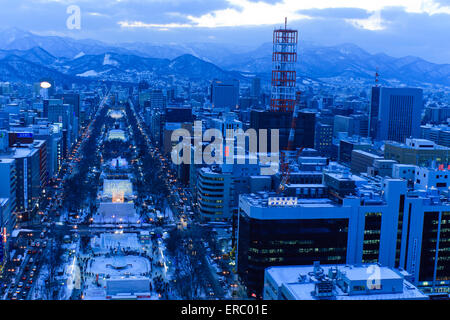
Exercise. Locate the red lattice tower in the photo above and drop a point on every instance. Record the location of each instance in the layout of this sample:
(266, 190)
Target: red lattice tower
(284, 76)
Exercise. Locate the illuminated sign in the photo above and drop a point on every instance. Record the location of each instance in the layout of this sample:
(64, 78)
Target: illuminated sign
(24, 135)
(282, 201)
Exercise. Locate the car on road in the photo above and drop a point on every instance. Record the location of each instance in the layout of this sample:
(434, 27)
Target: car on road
(20, 284)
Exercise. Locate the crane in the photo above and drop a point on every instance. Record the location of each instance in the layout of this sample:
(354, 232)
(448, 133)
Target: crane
(285, 168)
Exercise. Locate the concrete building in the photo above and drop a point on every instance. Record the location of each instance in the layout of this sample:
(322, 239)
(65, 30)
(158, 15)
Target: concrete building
(362, 160)
(382, 168)
(419, 152)
(219, 187)
(438, 134)
(347, 145)
(339, 282)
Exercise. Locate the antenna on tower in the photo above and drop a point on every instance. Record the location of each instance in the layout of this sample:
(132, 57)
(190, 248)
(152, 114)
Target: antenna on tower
(377, 76)
(285, 23)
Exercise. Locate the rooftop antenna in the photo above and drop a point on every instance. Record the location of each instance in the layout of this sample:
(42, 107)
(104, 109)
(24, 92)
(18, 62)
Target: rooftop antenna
(377, 76)
(285, 23)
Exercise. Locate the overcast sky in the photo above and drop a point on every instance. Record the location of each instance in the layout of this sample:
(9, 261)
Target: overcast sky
(396, 27)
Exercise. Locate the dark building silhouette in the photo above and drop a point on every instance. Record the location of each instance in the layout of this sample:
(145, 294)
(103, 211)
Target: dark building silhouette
(304, 133)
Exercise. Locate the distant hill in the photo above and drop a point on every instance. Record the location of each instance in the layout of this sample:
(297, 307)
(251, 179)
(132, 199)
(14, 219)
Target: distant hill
(95, 59)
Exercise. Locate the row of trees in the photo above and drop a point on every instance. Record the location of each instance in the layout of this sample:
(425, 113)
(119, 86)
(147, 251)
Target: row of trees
(77, 187)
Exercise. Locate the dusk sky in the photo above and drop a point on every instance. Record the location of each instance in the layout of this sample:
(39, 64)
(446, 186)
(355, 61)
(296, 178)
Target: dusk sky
(396, 27)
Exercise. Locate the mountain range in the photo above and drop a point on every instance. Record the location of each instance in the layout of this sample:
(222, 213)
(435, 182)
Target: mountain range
(26, 56)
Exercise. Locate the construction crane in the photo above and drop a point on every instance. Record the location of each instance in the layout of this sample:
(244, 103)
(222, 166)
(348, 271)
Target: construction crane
(284, 97)
(284, 162)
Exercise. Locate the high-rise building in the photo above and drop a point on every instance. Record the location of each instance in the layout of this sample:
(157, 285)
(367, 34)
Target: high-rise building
(323, 139)
(28, 177)
(8, 185)
(256, 87)
(225, 95)
(158, 100)
(373, 112)
(399, 113)
(71, 98)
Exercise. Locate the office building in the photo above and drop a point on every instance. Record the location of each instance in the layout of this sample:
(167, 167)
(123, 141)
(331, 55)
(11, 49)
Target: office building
(362, 160)
(438, 134)
(8, 190)
(277, 231)
(347, 145)
(418, 152)
(323, 139)
(399, 113)
(255, 88)
(225, 95)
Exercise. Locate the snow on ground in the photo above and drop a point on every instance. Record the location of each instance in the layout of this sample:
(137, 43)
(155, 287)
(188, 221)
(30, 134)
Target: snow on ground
(79, 55)
(90, 73)
(108, 61)
(119, 265)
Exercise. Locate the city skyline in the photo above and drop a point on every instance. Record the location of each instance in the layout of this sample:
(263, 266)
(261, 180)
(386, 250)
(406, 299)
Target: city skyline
(216, 171)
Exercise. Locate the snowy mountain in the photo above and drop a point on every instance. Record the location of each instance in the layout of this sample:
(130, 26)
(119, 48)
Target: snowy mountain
(112, 65)
(211, 60)
(346, 61)
(16, 68)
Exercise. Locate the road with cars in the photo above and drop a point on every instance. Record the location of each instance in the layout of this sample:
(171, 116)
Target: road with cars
(30, 240)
